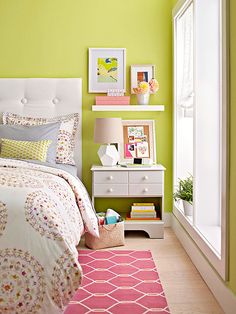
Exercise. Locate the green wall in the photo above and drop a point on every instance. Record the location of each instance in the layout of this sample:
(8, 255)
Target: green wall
(50, 38)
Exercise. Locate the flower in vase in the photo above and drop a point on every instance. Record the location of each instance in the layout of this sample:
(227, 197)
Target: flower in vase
(147, 87)
(143, 88)
(153, 86)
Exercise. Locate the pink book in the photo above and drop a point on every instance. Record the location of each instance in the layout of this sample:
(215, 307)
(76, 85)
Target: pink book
(112, 100)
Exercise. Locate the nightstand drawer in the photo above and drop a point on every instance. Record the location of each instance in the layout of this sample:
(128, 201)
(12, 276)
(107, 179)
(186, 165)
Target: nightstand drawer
(111, 177)
(146, 189)
(110, 190)
(146, 177)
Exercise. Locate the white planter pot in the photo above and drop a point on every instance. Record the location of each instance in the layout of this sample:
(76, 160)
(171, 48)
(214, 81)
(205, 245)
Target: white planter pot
(188, 208)
(143, 99)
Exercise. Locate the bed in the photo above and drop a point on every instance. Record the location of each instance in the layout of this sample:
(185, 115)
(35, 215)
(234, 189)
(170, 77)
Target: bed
(44, 208)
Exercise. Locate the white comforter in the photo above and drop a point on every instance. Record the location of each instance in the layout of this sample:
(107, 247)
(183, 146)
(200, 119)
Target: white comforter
(43, 212)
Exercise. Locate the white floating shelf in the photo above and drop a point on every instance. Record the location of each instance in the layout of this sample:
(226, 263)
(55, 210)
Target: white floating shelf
(128, 108)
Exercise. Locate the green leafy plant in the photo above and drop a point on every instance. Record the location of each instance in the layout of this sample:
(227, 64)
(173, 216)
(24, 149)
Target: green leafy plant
(185, 190)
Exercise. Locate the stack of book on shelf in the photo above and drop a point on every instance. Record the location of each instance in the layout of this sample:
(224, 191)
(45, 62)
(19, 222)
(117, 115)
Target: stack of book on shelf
(143, 211)
(112, 100)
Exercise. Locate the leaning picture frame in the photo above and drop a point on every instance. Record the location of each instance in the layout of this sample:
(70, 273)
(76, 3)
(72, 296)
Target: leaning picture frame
(139, 140)
(107, 69)
(139, 73)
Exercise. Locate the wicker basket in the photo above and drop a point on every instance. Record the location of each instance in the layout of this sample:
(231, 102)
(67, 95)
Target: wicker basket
(110, 236)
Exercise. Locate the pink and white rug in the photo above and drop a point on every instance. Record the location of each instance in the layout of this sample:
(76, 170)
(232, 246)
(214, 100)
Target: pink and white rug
(118, 282)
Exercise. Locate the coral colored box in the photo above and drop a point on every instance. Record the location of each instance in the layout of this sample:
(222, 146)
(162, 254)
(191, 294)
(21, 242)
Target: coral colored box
(112, 100)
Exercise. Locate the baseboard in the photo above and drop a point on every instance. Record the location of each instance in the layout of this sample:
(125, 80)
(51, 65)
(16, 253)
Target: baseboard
(167, 219)
(222, 293)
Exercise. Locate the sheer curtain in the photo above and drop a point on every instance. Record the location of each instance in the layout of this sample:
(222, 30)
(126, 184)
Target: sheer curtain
(184, 94)
(185, 25)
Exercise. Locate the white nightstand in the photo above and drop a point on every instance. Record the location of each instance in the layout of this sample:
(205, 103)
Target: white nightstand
(137, 182)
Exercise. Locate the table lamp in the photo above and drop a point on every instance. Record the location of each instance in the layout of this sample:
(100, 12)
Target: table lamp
(107, 131)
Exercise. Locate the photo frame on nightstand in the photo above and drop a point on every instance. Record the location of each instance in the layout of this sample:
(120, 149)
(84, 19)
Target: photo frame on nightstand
(139, 140)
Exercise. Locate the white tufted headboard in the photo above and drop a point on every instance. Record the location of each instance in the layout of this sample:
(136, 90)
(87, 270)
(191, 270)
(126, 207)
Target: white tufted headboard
(44, 97)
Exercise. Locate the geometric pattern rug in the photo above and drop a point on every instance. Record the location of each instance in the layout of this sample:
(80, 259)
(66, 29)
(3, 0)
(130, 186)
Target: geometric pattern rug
(118, 282)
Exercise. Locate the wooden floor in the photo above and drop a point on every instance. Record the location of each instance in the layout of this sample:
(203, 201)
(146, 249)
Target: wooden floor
(185, 290)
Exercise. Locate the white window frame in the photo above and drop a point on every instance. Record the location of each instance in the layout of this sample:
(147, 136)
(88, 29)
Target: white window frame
(218, 261)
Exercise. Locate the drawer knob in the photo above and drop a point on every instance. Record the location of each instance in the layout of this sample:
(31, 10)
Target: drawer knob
(110, 190)
(145, 178)
(110, 178)
(145, 190)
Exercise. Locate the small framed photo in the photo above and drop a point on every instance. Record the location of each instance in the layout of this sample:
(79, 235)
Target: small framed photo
(139, 140)
(107, 69)
(140, 73)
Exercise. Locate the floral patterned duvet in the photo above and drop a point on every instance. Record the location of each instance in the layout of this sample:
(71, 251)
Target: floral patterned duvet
(43, 213)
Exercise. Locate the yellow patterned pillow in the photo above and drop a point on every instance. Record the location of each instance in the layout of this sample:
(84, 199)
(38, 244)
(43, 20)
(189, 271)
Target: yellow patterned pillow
(25, 149)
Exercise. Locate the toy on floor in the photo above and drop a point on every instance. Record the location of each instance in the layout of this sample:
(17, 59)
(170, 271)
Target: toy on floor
(108, 218)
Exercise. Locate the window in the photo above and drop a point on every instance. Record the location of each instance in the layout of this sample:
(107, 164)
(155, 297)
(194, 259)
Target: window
(200, 131)
(184, 94)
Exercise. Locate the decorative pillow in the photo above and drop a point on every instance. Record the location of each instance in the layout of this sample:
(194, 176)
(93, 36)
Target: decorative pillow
(34, 133)
(24, 149)
(66, 135)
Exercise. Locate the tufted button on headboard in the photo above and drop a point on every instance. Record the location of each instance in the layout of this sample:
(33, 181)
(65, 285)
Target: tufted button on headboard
(44, 97)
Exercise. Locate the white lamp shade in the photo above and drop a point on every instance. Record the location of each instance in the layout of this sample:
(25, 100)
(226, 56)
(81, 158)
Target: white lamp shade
(108, 130)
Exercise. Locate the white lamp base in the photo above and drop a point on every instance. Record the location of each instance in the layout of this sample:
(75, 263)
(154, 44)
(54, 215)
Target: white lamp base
(108, 155)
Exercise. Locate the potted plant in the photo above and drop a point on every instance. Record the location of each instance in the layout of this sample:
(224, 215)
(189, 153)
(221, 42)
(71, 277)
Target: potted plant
(184, 192)
(144, 90)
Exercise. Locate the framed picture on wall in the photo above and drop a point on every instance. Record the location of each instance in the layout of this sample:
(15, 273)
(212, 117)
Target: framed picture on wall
(107, 69)
(139, 140)
(140, 73)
